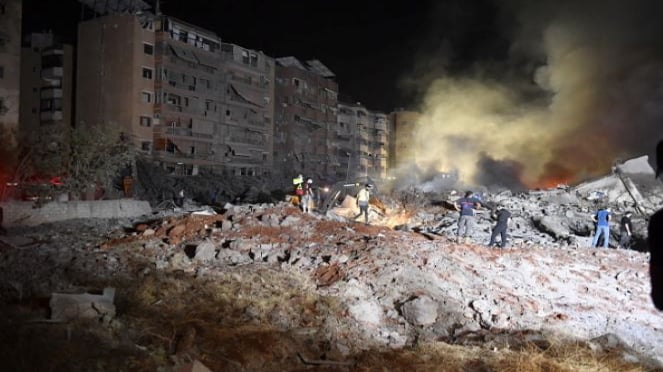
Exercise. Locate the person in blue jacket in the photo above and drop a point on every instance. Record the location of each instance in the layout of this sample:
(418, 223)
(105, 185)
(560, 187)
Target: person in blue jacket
(602, 220)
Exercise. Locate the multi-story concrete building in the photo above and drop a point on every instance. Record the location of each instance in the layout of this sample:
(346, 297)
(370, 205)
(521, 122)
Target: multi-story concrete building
(402, 124)
(305, 118)
(363, 137)
(248, 110)
(47, 93)
(182, 96)
(115, 76)
(10, 66)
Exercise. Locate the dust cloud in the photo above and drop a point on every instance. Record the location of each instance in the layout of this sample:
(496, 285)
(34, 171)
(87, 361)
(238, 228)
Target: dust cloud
(580, 88)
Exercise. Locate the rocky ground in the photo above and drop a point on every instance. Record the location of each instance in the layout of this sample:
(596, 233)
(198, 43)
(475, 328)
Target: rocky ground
(265, 287)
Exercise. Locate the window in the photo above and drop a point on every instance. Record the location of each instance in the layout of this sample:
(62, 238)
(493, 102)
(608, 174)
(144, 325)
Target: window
(148, 49)
(146, 97)
(145, 121)
(3, 8)
(146, 146)
(254, 59)
(147, 73)
(245, 57)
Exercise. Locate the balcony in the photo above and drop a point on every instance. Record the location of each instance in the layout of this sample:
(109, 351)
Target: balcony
(187, 132)
(52, 73)
(51, 93)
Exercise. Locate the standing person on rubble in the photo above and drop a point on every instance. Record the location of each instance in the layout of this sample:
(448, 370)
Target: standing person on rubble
(466, 206)
(625, 230)
(655, 242)
(307, 197)
(298, 183)
(363, 196)
(503, 216)
(602, 220)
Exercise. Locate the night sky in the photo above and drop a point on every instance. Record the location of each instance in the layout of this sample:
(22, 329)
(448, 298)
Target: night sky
(372, 46)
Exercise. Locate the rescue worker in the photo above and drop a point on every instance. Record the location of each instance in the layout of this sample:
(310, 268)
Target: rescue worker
(298, 183)
(363, 196)
(307, 197)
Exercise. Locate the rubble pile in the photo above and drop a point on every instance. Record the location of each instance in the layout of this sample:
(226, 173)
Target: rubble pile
(226, 288)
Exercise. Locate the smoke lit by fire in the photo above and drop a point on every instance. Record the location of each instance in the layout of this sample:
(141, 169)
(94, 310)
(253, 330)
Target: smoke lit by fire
(597, 97)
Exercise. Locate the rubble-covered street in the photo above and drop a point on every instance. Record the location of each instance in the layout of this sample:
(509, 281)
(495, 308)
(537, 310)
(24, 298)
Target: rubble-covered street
(263, 287)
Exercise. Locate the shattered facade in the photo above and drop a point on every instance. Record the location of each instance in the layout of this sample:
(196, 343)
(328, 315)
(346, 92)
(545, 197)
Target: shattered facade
(248, 110)
(185, 99)
(47, 68)
(10, 65)
(361, 142)
(306, 109)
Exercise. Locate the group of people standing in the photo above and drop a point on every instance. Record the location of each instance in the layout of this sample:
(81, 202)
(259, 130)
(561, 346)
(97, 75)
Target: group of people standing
(469, 203)
(602, 220)
(466, 206)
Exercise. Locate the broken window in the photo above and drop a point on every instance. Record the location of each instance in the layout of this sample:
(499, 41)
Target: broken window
(147, 73)
(245, 57)
(2, 72)
(148, 49)
(254, 59)
(3, 8)
(146, 97)
(145, 121)
(173, 99)
(146, 146)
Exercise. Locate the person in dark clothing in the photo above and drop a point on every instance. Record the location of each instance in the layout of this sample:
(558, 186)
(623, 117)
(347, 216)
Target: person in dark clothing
(625, 230)
(655, 242)
(503, 216)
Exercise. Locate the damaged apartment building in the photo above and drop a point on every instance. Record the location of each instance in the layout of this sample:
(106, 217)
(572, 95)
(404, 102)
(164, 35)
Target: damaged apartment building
(362, 141)
(183, 97)
(305, 120)
(10, 66)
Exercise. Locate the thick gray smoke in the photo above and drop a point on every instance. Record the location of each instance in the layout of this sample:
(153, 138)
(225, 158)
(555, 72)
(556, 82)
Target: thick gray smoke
(595, 94)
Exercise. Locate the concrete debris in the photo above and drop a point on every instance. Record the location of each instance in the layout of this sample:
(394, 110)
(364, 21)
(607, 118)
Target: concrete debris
(67, 307)
(370, 286)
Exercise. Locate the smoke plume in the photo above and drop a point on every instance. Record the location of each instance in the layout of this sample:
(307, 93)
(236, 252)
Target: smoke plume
(581, 87)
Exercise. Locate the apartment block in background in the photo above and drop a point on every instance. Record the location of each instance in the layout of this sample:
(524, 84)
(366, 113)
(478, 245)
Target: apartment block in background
(362, 141)
(305, 110)
(183, 97)
(188, 95)
(47, 92)
(247, 111)
(10, 66)
(115, 76)
(403, 124)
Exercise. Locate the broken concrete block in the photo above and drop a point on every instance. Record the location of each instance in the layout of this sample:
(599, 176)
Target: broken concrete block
(205, 252)
(226, 225)
(420, 311)
(290, 221)
(65, 306)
